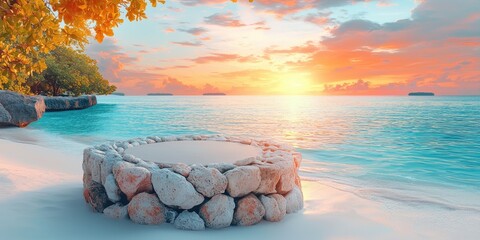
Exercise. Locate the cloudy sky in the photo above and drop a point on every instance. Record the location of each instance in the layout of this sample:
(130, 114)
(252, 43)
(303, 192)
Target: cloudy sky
(317, 47)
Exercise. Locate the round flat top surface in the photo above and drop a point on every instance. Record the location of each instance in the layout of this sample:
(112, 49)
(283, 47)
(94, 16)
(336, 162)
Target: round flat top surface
(194, 152)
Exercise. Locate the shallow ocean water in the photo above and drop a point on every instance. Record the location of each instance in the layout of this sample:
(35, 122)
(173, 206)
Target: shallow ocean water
(419, 150)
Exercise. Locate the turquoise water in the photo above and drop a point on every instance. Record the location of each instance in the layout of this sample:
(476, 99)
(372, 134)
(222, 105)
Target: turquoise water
(375, 144)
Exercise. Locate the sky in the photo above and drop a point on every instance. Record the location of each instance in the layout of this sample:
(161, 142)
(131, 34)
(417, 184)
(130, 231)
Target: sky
(297, 47)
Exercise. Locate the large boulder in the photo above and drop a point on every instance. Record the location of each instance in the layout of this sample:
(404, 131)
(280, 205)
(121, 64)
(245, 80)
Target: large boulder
(218, 211)
(207, 181)
(275, 207)
(145, 208)
(249, 211)
(243, 180)
(69, 103)
(174, 190)
(189, 221)
(19, 110)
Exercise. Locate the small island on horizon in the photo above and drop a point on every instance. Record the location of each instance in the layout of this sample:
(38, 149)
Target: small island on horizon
(421, 94)
(118, 94)
(214, 94)
(160, 94)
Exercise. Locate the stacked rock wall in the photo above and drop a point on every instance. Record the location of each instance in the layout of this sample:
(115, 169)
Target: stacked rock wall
(193, 197)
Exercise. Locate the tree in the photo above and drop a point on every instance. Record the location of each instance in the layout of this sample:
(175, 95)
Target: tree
(29, 28)
(70, 71)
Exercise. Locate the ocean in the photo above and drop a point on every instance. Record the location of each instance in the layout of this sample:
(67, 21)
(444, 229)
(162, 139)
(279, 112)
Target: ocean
(421, 151)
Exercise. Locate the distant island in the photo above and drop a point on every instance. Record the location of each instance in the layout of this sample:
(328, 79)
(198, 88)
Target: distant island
(421, 94)
(160, 94)
(118, 94)
(214, 94)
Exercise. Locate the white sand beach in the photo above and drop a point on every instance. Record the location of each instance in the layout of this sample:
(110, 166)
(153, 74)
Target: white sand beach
(41, 198)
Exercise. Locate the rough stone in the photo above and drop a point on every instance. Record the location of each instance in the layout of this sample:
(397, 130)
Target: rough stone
(270, 175)
(69, 103)
(19, 110)
(245, 162)
(106, 167)
(222, 167)
(287, 179)
(130, 158)
(116, 211)
(218, 211)
(145, 208)
(133, 180)
(182, 169)
(189, 221)
(243, 180)
(174, 190)
(275, 207)
(207, 181)
(249, 211)
(96, 196)
(111, 187)
(294, 200)
(170, 215)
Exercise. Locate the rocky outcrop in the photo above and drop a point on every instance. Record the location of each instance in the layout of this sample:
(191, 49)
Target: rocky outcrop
(19, 110)
(193, 196)
(69, 103)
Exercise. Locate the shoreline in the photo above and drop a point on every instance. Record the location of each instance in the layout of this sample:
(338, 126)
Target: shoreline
(41, 190)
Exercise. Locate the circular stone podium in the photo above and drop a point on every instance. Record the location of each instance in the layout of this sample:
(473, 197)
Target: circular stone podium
(193, 182)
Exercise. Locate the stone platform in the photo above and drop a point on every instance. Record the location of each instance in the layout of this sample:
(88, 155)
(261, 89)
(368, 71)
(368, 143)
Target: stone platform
(193, 182)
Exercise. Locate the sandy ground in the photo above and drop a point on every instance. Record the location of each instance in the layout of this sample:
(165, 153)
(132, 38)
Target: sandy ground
(41, 198)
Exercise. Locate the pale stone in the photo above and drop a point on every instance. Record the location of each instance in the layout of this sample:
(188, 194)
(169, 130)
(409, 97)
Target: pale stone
(275, 207)
(294, 200)
(121, 165)
(111, 187)
(133, 180)
(222, 167)
(270, 175)
(130, 158)
(182, 169)
(243, 180)
(287, 178)
(96, 196)
(174, 189)
(148, 165)
(145, 208)
(106, 167)
(95, 163)
(207, 181)
(218, 211)
(189, 221)
(116, 211)
(245, 162)
(249, 211)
